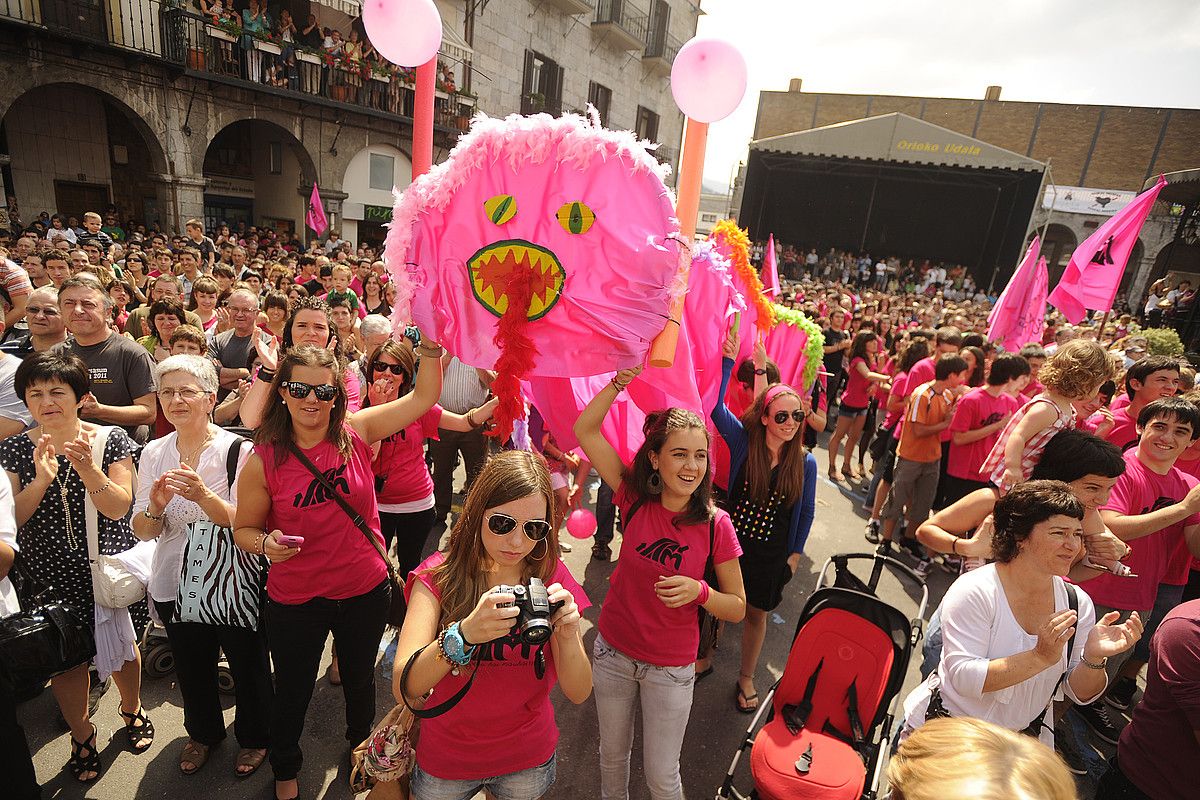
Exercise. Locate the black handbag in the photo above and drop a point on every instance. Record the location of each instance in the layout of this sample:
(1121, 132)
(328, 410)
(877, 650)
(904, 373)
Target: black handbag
(50, 638)
(399, 606)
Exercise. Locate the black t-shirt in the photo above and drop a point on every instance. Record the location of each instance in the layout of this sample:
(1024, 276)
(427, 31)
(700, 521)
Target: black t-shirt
(313, 38)
(833, 361)
(315, 287)
(206, 248)
(120, 370)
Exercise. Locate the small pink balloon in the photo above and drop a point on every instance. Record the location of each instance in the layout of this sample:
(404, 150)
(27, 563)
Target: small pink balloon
(405, 32)
(581, 524)
(708, 78)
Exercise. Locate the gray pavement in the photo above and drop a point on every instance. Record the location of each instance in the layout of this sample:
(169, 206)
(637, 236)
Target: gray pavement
(713, 733)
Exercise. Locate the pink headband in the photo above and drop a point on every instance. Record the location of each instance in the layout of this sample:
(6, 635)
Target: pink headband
(775, 391)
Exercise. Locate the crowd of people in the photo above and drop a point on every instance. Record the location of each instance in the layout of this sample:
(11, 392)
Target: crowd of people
(243, 397)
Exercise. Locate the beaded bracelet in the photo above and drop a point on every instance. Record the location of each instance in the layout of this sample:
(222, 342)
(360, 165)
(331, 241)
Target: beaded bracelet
(94, 492)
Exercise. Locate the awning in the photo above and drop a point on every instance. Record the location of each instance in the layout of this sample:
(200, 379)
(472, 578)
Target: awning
(1182, 187)
(351, 8)
(897, 138)
(454, 46)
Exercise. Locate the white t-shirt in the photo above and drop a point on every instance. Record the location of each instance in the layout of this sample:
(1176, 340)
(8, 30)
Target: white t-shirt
(977, 626)
(8, 535)
(159, 456)
(11, 406)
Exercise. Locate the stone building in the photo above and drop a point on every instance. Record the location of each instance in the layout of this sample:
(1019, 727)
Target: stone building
(1099, 156)
(167, 114)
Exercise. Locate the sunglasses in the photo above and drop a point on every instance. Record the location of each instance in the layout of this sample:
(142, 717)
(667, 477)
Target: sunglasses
(782, 416)
(503, 524)
(395, 369)
(325, 392)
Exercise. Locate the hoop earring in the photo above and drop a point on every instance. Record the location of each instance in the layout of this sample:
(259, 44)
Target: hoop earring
(545, 550)
(654, 484)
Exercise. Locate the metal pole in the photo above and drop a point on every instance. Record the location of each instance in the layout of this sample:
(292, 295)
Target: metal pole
(862, 245)
(987, 236)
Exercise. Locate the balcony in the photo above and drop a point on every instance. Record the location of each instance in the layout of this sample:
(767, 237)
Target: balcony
(660, 53)
(163, 30)
(622, 24)
(572, 7)
(667, 154)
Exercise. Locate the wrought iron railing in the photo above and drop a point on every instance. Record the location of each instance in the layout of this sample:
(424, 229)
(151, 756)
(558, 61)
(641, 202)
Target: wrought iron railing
(625, 16)
(662, 45)
(132, 25)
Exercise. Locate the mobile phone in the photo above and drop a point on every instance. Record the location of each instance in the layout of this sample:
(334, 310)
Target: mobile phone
(290, 541)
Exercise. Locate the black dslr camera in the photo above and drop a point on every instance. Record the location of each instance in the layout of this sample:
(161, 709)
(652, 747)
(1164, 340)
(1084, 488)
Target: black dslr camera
(532, 625)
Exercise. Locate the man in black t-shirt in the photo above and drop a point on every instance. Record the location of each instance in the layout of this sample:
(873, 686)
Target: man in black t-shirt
(197, 239)
(837, 343)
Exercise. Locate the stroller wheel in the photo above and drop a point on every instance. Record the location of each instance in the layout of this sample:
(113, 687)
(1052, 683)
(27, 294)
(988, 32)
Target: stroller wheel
(159, 661)
(224, 680)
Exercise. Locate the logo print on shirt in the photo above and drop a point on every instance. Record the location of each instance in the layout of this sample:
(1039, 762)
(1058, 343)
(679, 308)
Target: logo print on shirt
(662, 551)
(1161, 502)
(992, 419)
(315, 493)
(495, 649)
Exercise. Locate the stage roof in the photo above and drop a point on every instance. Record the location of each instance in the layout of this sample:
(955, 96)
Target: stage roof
(897, 138)
(1182, 187)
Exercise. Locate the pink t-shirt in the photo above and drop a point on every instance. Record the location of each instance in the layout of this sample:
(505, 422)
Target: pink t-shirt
(1120, 401)
(505, 723)
(922, 372)
(858, 388)
(632, 618)
(336, 561)
(401, 461)
(1156, 557)
(974, 410)
(1124, 430)
(899, 390)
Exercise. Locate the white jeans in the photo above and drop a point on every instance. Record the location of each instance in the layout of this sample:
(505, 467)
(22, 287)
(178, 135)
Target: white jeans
(665, 694)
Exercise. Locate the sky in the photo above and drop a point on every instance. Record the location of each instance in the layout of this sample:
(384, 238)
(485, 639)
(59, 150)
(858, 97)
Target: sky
(1120, 52)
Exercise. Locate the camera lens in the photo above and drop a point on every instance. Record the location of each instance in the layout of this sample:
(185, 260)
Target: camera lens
(536, 631)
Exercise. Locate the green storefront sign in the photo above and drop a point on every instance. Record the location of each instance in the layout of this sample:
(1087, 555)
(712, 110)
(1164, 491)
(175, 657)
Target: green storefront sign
(377, 214)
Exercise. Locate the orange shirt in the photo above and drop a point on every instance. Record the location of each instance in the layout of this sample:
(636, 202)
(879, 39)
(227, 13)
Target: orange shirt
(928, 406)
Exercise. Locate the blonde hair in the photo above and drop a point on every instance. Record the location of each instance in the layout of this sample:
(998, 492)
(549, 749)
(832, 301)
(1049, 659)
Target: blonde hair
(1077, 369)
(956, 759)
(340, 268)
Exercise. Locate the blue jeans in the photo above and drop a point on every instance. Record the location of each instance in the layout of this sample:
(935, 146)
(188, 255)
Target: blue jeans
(664, 694)
(931, 651)
(527, 784)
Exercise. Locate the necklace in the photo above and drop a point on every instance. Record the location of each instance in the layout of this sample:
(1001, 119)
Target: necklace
(191, 460)
(72, 542)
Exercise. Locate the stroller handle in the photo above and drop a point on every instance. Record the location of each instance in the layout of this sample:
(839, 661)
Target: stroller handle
(898, 568)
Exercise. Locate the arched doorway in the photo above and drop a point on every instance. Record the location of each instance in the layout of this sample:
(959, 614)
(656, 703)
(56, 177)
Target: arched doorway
(256, 173)
(75, 148)
(370, 177)
(1057, 246)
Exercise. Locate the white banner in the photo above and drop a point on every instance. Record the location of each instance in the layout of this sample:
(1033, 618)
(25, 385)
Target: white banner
(1082, 200)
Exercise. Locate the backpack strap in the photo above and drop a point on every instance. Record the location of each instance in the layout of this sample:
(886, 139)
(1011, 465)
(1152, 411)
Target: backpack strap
(1034, 728)
(231, 461)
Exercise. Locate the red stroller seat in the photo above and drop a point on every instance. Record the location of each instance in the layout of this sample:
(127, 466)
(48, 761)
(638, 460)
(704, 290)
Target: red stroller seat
(839, 662)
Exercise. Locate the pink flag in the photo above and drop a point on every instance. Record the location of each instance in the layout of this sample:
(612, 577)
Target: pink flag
(315, 218)
(770, 273)
(1096, 266)
(1016, 319)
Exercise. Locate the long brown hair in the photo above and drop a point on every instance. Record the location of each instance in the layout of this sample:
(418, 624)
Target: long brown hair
(658, 426)
(462, 577)
(276, 426)
(789, 483)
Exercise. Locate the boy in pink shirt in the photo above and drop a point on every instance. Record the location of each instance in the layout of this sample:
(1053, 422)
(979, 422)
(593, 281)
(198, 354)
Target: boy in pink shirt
(1150, 379)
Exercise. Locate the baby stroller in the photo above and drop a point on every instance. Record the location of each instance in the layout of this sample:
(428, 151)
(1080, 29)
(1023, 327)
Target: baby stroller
(158, 661)
(828, 727)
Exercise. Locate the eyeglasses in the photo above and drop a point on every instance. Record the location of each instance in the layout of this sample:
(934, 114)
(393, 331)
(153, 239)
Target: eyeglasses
(782, 416)
(503, 524)
(325, 392)
(186, 393)
(395, 369)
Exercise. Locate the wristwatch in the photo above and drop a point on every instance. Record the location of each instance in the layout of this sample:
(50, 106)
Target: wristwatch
(760, 372)
(455, 647)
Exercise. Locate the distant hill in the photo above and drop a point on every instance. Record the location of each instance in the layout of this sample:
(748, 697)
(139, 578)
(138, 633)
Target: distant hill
(714, 187)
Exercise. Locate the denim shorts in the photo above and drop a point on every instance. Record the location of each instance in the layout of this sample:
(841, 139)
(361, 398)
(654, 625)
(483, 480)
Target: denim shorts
(528, 784)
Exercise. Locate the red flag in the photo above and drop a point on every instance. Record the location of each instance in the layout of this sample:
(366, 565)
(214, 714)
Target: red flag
(315, 218)
(1016, 319)
(1096, 266)
(770, 273)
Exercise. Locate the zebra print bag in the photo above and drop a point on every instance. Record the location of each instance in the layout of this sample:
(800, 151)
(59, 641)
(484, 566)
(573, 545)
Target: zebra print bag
(221, 584)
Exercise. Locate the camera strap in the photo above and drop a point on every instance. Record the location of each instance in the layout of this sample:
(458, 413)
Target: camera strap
(441, 708)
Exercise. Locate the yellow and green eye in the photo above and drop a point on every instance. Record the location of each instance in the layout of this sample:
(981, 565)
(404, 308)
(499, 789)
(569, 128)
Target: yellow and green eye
(576, 218)
(501, 208)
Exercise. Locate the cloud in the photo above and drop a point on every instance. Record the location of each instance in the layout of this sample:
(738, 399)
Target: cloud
(1105, 52)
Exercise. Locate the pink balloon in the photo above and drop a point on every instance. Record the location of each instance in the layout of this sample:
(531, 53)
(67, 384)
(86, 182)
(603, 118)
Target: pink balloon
(581, 524)
(708, 79)
(405, 32)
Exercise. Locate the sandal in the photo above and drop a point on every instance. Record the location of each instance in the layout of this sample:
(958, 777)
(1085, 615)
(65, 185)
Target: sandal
(743, 702)
(85, 758)
(143, 732)
(249, 757)
(835, 476)
(193, 757)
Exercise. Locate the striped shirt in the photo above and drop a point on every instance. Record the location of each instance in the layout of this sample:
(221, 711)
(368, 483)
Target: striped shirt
(927, 406)
(993, 465)
(461, 388)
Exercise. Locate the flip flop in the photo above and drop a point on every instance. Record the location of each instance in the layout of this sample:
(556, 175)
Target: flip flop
(741, 698)
(704, 673)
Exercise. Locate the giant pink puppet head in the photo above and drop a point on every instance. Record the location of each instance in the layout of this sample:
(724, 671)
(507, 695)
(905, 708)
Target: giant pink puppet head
(542, 247)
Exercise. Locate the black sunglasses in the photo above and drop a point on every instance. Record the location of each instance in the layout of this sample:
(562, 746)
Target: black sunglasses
(395, 369)
(503, 524)
(782, 416)
(298, 390)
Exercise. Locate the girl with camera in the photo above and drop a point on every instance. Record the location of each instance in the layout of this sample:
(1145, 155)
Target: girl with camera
(500, 735)
(649, 635)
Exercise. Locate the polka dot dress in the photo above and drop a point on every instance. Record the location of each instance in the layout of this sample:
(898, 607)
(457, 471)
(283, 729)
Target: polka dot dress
(762, 530)
(47, 553)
